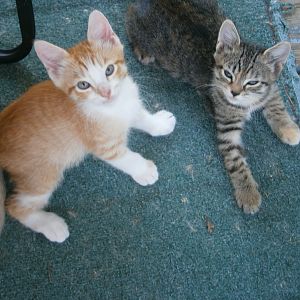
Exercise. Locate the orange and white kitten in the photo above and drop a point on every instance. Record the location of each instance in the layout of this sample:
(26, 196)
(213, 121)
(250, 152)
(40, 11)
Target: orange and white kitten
(88, 107)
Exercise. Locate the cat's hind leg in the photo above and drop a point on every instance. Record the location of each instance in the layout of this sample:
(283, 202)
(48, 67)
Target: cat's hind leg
(27, 209)
(27, 203)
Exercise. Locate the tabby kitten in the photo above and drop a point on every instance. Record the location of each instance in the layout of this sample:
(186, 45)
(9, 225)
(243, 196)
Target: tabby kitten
(193, 41)
(88, 107)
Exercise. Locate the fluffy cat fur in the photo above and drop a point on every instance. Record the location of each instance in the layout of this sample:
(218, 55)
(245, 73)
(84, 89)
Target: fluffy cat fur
(193, 41)
(88, 107)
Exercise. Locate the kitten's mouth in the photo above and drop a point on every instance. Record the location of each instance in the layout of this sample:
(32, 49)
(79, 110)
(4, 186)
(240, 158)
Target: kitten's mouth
(230, 97)
(100, 101)
(234, 100)
(109, 99)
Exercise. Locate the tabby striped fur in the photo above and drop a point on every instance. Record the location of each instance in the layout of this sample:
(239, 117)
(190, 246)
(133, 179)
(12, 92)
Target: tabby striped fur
(181, 37)
(252, 86)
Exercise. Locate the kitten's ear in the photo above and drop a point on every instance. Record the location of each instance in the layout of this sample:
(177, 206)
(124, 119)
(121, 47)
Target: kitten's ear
(277, 55)
(100, 29)
(52, 58)
(228, 35)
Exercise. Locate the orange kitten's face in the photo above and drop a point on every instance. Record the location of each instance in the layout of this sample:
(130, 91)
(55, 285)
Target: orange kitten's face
(94, 72)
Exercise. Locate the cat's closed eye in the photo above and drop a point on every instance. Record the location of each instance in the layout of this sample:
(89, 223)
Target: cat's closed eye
(83, 85)
(252, 82)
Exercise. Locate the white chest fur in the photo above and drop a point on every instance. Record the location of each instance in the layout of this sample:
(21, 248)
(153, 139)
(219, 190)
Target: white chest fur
(123, 109)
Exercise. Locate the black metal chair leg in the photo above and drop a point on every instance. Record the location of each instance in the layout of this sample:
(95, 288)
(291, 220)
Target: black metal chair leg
(27, 27)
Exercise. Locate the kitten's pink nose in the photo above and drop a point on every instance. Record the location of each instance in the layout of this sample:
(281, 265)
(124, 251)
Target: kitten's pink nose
(105, 92)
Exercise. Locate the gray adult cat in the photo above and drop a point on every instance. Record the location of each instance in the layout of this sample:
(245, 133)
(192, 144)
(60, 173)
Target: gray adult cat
(193, 41)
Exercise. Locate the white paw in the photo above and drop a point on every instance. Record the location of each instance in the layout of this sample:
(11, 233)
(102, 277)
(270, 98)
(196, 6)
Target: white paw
(164, 123)
(53, 227)
(290, 134)
(147, 175)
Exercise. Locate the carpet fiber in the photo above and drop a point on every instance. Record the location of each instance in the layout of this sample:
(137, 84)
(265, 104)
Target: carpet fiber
(132, 242)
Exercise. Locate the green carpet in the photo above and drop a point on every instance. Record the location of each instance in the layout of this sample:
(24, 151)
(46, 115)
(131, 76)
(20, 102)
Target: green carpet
(132, 242)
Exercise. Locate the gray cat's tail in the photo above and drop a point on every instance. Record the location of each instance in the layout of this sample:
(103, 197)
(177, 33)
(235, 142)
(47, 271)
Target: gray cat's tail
(2, 199)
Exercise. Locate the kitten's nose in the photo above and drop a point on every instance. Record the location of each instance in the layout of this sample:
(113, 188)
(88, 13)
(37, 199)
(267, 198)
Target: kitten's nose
(105, 92)
(234, 93)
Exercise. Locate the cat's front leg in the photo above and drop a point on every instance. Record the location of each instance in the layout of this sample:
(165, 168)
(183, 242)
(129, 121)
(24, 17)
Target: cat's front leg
(245, 187)
(143, 171)
(160, 123)
(280, 121)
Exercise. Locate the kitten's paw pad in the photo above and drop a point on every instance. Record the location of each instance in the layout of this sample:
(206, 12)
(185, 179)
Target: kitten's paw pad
(290, 135)
(164, 123)
(249, 200)
(148, 176)
(53, 227)
(144, 59)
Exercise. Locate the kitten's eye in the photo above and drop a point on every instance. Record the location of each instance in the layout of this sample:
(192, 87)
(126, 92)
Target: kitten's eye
(109, 70)
(83, 85)
(228, 74)
(252, 82)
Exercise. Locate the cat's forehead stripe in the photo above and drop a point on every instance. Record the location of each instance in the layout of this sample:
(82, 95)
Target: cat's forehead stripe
(81, 51)
(97, 52)
(82, 64)
(239, 62)
(246, 59)
(96, 72)
(252, 62)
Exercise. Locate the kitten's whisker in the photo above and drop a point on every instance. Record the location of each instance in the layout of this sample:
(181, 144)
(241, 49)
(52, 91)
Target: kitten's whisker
(144, 77)
(148, 95)
(207, 86)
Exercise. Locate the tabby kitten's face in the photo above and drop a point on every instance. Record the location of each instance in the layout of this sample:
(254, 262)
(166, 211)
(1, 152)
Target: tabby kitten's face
(245, 73)
(92, 72)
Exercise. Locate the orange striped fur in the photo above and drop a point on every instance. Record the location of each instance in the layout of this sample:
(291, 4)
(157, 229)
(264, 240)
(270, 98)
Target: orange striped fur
(88, 107)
